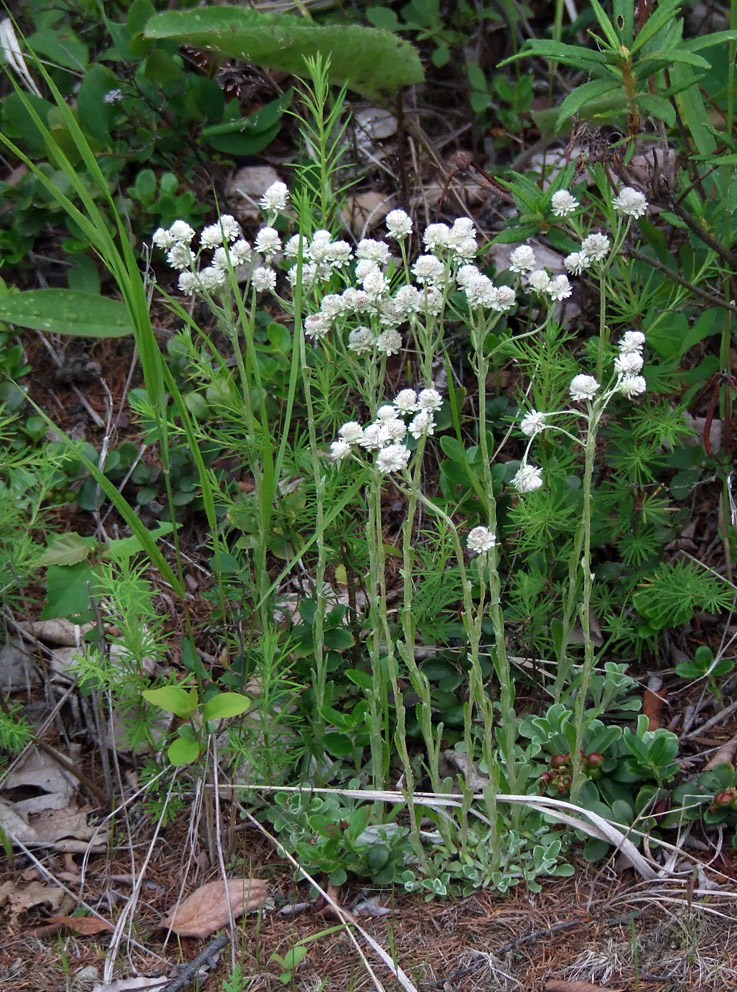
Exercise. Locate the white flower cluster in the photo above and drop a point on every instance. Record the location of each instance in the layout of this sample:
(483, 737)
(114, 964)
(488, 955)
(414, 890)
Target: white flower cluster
(480, 539)
(229, 250)
(630, 202)
(628, 365)
(386, 433)
(594, 248)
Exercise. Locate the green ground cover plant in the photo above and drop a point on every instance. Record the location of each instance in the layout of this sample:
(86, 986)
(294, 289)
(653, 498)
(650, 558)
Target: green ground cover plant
(433, 695)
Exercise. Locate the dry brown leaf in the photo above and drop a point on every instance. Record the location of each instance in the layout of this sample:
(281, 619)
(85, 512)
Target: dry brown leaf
(578, 987)
(206, 910)
(79, 924)
(726, 753)
(19, 900)
(653, 704)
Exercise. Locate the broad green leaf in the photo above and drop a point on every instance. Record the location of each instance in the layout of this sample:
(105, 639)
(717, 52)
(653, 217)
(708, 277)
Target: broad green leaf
(61, 47)
(65, 311)
(581, 96)
(370, 61)
(173, 699)
(68, 549)
(96, 116)
(656, 106)
(68, 590)
(183, 752)
(124, 547)
(709, 40)
(224, 705)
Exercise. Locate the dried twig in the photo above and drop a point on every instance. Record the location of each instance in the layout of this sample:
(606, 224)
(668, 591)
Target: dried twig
(188, 974)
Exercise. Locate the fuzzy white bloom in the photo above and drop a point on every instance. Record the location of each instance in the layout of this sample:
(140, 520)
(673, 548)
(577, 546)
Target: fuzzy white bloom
(361, 340)
(422, 424)
(576, 263)
(231, 227)
(339, 449)
(631, 385)
(539, 281)
(436, 237)
(211, 236)
(263, 279)
(375, 284)
(375, 251)
(309, 276)
(332, 305)
(316, 326)
(371, 437)
(466, 274)
(528, 479)
(408, 299)
(480, 291)
(559, 288)
(188, 283)
(480, 539)
(392, 430)
(356, 300)
(320, 245)
(181, 231)
(428, 269)
(275, 198)
(462, 238)
(351, 432)
(630, 202)
(522, 260)
(179, 256)
(389, 342)
(430, 400)
(631, 341)
(392, 315)
(365, 266)
(339, 254)
(163, 238)
(291, 247)
(398, 224)
(595, 247)
(563, 203)
(386, 412)
(532, 423)
(583, 387)
(211, 278)
(432, 302)
(406, 401)
(267, 241)
(628, 363)
(505, 299)
(393, 458)
(241, 252)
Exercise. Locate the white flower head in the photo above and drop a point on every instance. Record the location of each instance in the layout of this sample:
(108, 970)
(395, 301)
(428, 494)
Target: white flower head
(267, 241)
(211, 278)
(504, 299)
(408, 299)
(538, 280)
(576, 263)
(361, 340)
(532, 423)
(631, 341)
(630, 203)
(528, 478)
(263, 279)
(386, 412)
(180, 230)
(180, 256)
(422, 424)
(558, 288)
(389, 342)
(332, 305)
(466, 274)
(339, 449)
(351, 432)
(339, 254)
(375, 251)
(371, 437)
(230, 226)
(398, 224)
(393, 458)
(522, 260)
(480, 291)
(595, 247)
(275, 198)
(631, 385)
(628, 363)
(428, 269)
(583, 387)
(375, 284)
(436, 237)
(462, 239)
(429, 399)
(406, 401)
(163, 238)
(392, 430)
(562, 203)
(364, 267)
(480, 539)
(317, 325)
(188, 283)
(291, 246)
(241, 252)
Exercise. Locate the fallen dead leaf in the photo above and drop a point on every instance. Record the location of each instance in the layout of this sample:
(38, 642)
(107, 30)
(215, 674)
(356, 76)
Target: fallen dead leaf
(653, 704)
(206, 910)
(79, 924)
(58, 829)
(578, 987)
(20, 900)
(724, 753)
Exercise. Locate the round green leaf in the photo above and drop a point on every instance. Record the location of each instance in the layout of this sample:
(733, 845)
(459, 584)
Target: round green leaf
(224, 705)
(183, 752)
